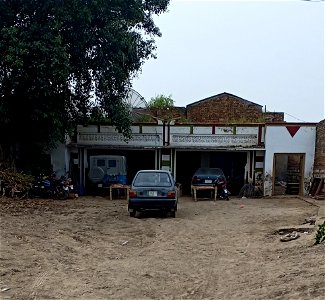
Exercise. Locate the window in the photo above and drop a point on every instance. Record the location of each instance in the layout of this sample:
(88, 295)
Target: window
(112, 163)
(101, 163)
(153, 179)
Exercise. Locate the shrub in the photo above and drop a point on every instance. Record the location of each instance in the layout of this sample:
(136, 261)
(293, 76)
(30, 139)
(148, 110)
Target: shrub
(320, 234)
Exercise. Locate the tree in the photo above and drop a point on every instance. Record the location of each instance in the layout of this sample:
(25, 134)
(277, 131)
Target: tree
(161, 108)
(161, 101)
(58, 59)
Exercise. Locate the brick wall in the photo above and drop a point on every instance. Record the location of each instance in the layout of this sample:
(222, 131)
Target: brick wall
(273, 117)
(319, 165)
(171, 112)
(143, 115)
(224, 109)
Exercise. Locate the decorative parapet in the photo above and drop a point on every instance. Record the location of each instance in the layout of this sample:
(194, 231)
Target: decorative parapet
(116, 139)
(174, 136)
(208, 140)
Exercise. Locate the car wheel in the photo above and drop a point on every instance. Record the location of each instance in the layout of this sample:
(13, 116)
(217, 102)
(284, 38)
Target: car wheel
(173, 214)
(133, 213)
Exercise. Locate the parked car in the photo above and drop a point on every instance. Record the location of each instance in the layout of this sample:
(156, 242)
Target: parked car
(212, 177)
(153, 190)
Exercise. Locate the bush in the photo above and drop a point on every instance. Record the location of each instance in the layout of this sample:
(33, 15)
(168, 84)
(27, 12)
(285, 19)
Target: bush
(320, 234)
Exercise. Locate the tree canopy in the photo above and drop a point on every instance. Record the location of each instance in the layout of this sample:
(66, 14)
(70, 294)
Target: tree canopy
(161, 101)
(59, 58)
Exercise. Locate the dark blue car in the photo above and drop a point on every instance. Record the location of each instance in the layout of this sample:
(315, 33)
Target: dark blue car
(207, 176)
(153, 190)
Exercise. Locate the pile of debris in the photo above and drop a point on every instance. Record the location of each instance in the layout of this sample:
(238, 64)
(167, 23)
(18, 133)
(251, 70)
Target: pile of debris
(250, 191)
(317, 189)
(14, 184)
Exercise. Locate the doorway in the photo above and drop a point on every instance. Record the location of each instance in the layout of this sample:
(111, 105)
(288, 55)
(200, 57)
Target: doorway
(231, 162)
(288, 174)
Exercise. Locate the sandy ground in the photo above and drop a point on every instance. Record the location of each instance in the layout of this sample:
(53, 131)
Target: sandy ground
(89, 248)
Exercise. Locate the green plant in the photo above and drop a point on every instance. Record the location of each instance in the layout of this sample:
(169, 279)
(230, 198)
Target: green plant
(58, 58)
(161, 102)
(320, 234)
(144, 119)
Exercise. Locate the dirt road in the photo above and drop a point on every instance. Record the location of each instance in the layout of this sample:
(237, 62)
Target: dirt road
(90, 248)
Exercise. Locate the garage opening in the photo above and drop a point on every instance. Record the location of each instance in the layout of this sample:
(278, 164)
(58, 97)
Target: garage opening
(232, 164)
(138, 159)
(288, 174)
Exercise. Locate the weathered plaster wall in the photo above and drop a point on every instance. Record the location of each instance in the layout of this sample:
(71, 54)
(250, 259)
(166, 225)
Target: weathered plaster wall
(279, 140)
(60, 160)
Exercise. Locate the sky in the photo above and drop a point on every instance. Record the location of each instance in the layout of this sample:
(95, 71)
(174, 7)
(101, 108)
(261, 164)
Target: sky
(267, 52)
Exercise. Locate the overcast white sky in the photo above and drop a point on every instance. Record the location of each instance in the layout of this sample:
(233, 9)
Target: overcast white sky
(267, 52)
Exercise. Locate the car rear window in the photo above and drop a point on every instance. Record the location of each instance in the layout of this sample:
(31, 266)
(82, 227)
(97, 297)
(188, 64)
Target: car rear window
(209, 171)
(152, 179)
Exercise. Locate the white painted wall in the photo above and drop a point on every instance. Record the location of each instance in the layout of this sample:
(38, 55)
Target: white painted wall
(279, 140)
(109, 129)
(152, 129)
(202, 130)
(247, 130)
(86, 129)
(60, 160)
(224, 130)
(180, 129)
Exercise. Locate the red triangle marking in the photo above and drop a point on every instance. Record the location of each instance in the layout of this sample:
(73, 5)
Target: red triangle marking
(293, 130)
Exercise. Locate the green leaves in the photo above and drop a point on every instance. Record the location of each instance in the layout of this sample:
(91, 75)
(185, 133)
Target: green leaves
(320, 234)
(161, 101)
(57, 56)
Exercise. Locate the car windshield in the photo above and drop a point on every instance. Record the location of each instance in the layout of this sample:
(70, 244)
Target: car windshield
(209, 171)
(158, 179)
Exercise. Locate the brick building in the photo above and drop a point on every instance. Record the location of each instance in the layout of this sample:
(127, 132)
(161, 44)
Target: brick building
(228, 108)
(318, 185)
(319, 166)
(220, 131)
(223, 108)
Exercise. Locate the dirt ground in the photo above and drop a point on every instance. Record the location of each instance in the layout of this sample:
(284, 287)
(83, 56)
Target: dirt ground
(89, 248)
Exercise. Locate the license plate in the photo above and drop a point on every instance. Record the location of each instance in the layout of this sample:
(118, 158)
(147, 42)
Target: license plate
(152, 193)
(208, 181)
(100, 185)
